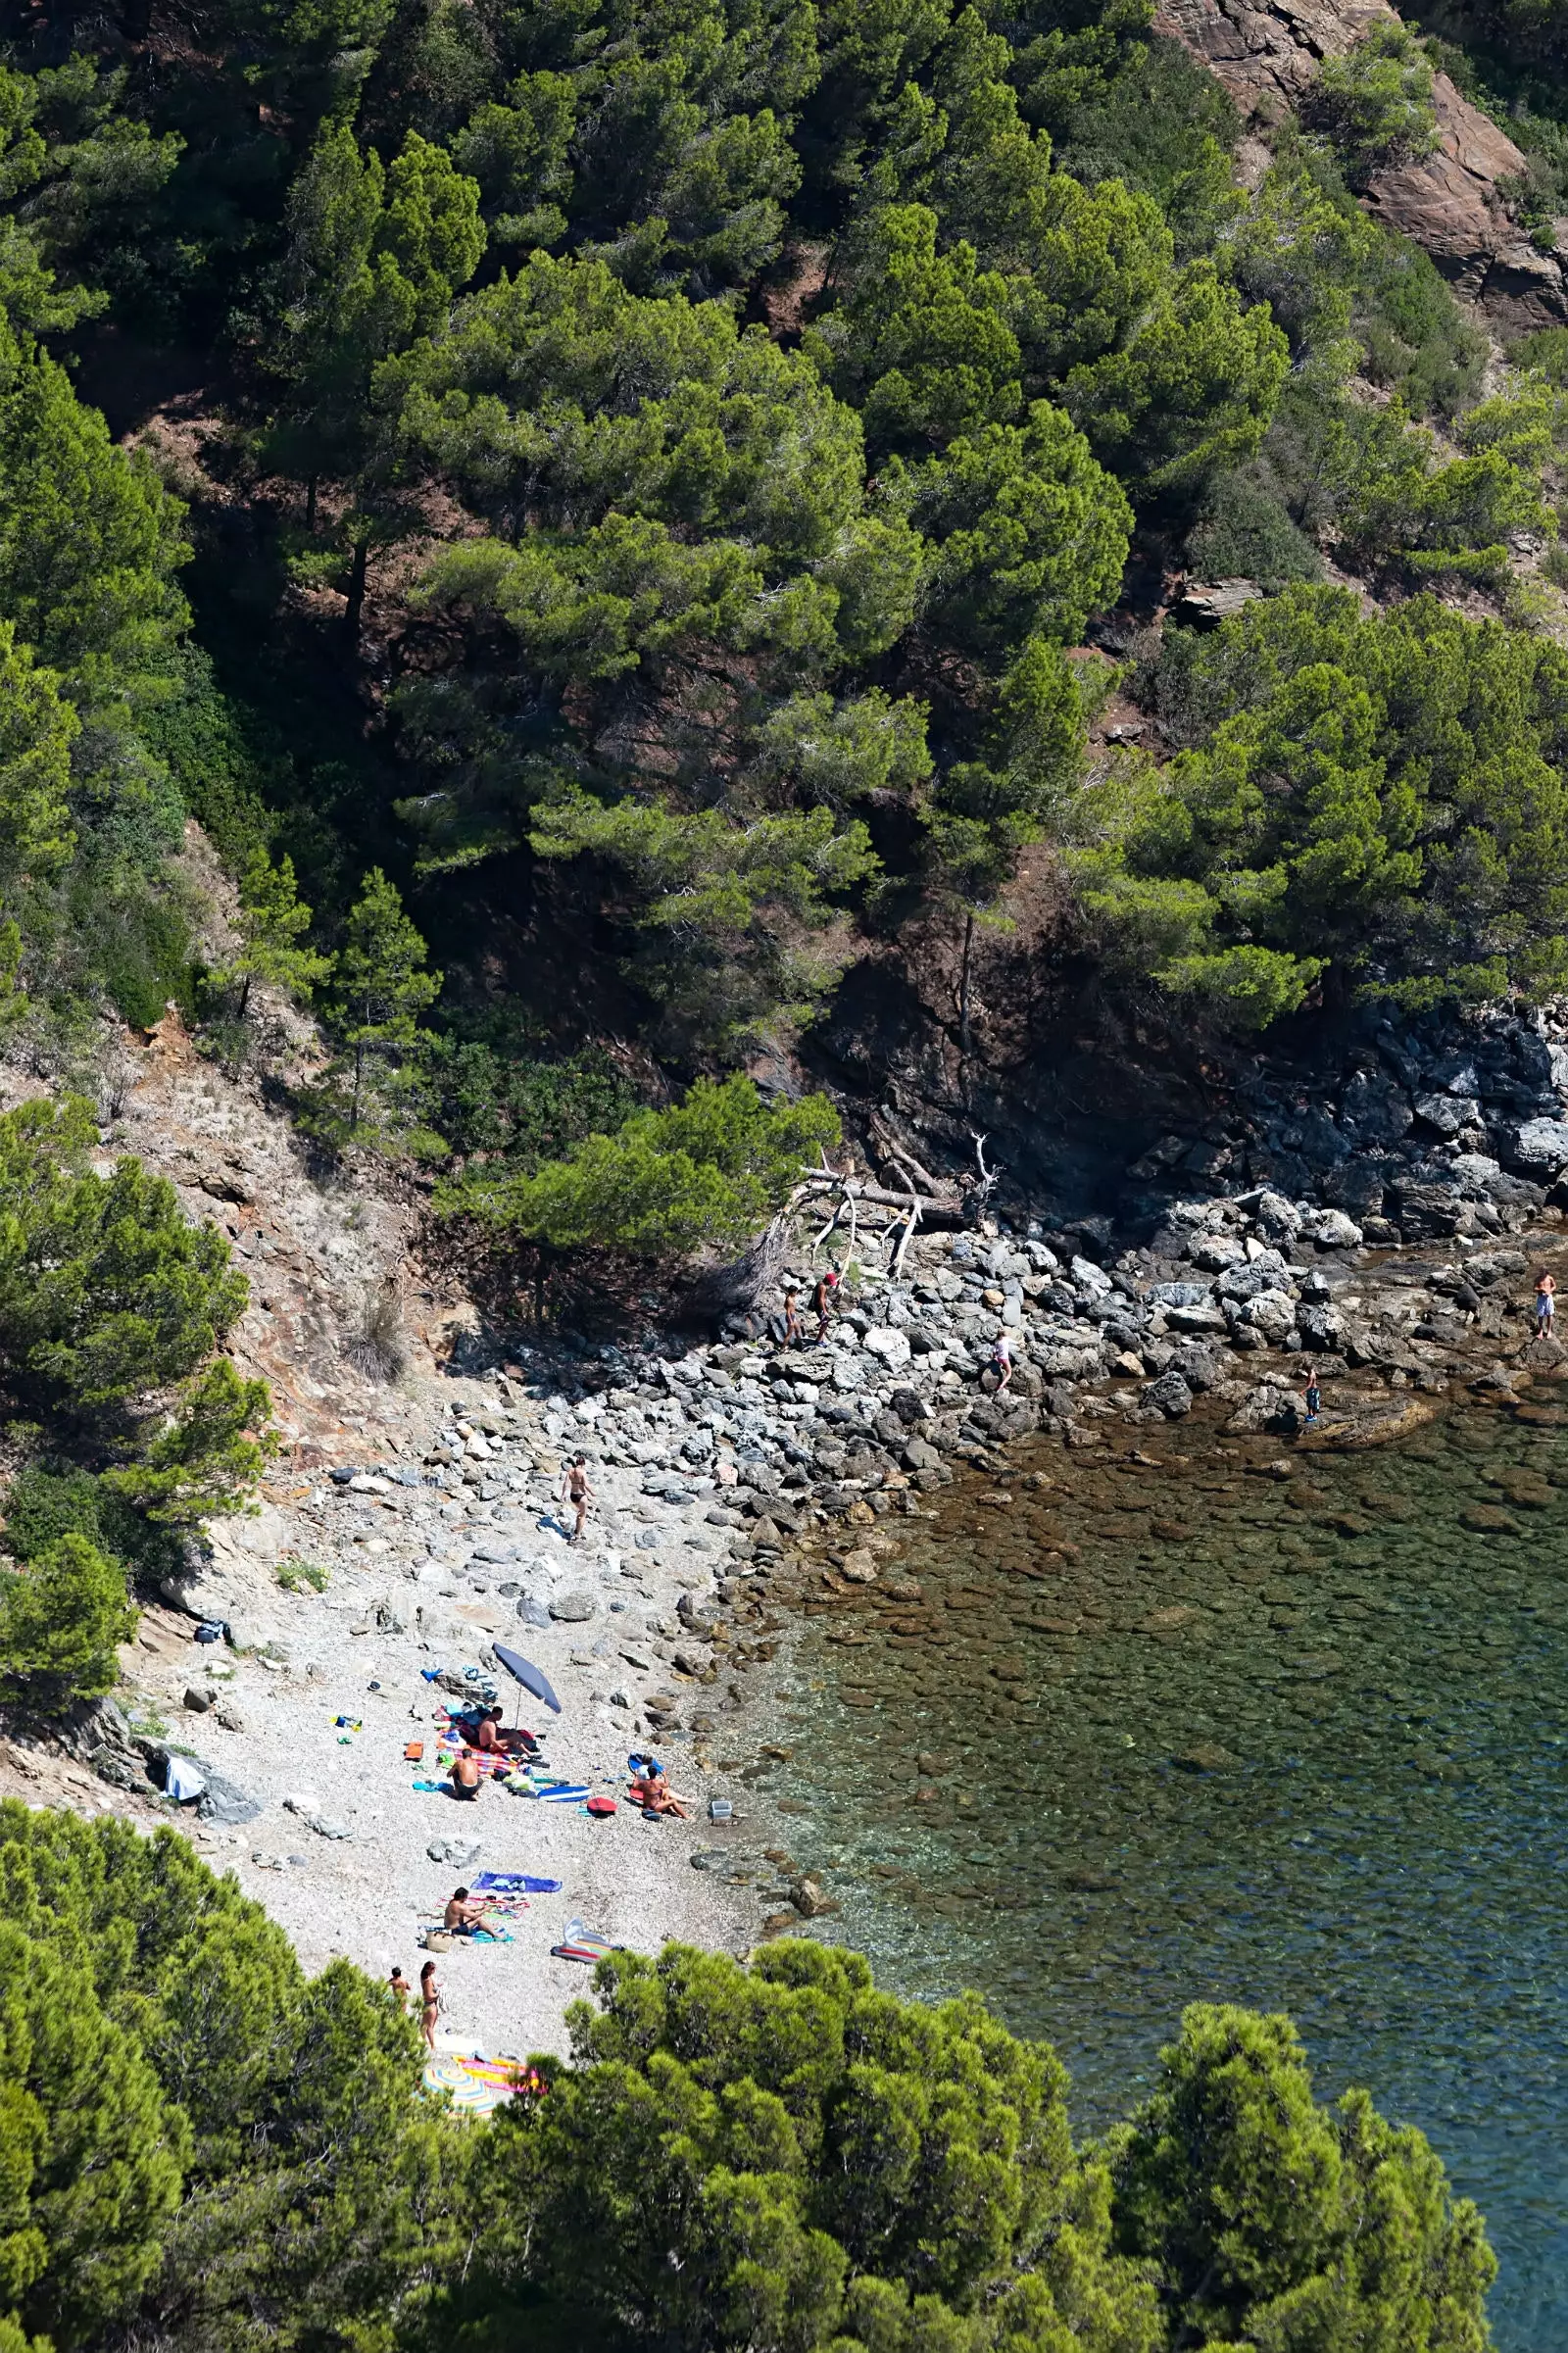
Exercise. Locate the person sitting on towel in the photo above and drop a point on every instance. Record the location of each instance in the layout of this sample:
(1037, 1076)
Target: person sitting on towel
(654, 1793)
(464, 1913)
(487, 1736)
(465, 1773)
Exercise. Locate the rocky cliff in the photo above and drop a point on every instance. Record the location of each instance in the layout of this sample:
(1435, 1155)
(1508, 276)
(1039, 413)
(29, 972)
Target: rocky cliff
(1267, 55)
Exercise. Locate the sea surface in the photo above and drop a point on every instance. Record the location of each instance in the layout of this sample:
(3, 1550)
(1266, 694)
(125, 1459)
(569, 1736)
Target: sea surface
(1231, 1722)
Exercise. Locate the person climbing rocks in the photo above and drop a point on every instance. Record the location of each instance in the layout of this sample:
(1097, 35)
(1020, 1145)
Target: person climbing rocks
(577, 1489)
(824, 1300)
(1545, 1304)
(1001, 1361)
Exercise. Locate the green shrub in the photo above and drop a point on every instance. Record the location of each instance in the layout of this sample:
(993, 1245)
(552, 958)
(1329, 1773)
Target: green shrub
(60, 1620)
(112, 1305)
(1374, 104)
(704, 1175)
(1244, 533)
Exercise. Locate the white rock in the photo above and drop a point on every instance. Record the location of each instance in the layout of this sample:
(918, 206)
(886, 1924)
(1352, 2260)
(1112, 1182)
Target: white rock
(891, 1345)
(1270, 1311)
(1087, 1276)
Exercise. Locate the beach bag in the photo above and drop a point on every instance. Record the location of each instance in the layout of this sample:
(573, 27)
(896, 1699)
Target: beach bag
(599, 1807)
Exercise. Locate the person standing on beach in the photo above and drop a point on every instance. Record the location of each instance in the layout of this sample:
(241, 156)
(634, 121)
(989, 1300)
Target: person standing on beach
(1545, 1304)
(1002, 1362)
(1313, 1401)
(429, 2005)
(792, 1319)
(577, 1489)
(402, 1991)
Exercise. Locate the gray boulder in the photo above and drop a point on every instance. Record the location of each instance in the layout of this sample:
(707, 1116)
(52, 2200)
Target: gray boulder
(224, 1802)
(573, 1609)
(1539, 1146)
(1170, 1394)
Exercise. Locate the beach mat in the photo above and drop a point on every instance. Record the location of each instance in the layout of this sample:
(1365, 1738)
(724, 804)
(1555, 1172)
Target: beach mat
(512, 1883)
(556, 1793)
(477, 2087)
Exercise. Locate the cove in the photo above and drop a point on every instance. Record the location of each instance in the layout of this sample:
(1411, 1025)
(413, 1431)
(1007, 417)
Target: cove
(1187, 1717)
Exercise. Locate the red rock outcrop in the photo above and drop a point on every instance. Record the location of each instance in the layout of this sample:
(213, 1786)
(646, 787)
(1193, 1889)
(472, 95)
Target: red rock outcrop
(1267, 56)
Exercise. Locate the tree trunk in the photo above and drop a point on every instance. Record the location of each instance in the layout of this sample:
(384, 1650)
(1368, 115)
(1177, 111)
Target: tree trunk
(359, 1074)
(356, 603)
(965, 1032)
(244, 995)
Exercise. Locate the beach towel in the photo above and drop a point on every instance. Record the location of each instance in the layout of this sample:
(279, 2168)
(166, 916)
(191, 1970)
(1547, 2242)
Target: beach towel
(414, 1752)
(512, 1883)
(552, 1792)
(477, 2086)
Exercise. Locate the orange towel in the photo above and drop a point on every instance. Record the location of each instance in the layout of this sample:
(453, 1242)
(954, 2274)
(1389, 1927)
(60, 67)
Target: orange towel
(413, 1751)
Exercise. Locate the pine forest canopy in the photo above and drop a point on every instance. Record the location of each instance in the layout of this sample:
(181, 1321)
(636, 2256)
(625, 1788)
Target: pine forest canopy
(610, 504)
(205, 2147)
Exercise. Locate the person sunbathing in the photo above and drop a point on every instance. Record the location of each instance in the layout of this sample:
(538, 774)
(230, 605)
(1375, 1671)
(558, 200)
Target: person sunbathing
(465, 1773)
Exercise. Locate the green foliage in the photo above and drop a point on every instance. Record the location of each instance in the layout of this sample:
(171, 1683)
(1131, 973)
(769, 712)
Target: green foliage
(491, 1095)
(1028, 534)
(704, 1175)
(110, 1308)
(61, 1619)
(1244, 533)
(89, 539)
(836, 2166)
(1377, 800)
(1374, 104)
(199, 2139)
(1192, 395)
(379, 988)
(273, 922)
(732, 912)
(1285, 2223)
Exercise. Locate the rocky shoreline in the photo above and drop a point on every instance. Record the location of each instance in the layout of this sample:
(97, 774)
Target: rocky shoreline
(739, 1482)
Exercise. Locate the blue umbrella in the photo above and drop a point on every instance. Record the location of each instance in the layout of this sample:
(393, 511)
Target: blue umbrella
(522, 1671)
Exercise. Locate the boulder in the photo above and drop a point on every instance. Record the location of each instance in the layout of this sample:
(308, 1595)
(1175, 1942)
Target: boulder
(1170, 1394)
(1447, 202)
(1204, 604)
(1271, 1312)
(1539, 1146)
(1447, 1113)
(1331, 1230)
(573, 1609)
(223, 1802)
(891, 1345)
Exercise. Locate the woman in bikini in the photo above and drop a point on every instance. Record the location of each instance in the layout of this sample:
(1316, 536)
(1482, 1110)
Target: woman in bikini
(429, 2005)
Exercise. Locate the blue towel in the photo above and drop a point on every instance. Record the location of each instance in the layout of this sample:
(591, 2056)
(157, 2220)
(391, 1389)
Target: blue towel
(512, 1883)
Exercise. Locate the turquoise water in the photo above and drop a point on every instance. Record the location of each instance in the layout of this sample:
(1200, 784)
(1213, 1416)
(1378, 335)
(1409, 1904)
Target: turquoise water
(1363, 1667)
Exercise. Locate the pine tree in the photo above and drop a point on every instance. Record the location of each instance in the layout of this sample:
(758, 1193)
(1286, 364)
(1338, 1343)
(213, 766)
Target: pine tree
(380, 988)
(273, 923)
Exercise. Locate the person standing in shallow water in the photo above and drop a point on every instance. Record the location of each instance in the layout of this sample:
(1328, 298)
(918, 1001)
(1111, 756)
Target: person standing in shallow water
(1545, 1304)
(1313, 1401)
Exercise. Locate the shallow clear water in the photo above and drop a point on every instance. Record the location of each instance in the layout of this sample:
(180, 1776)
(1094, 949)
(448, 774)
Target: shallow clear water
(1376, 1647)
